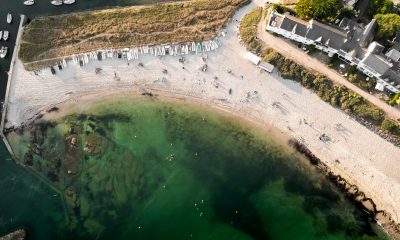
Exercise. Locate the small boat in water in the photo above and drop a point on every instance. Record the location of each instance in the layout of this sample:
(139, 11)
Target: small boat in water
(29, 2)
(68, 2)
(57, 2)
(5, 35)
(9, 18)
(1, 35)
(3, 52)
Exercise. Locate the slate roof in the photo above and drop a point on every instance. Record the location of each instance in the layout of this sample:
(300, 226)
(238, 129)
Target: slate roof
(334, 38)
(376, 63)
(392, 76)
(289, 23)
(396, 46)
(368, 33)
(393, 54)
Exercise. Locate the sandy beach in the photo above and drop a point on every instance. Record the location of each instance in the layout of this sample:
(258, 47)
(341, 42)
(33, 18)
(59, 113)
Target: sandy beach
(233, 84)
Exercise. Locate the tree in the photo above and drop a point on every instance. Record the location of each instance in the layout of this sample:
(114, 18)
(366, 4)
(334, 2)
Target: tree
(304, 8)
(380, 7)
(319, 9)
(388, 25)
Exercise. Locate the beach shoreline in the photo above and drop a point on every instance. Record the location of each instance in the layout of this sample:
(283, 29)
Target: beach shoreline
(236, 86)
(352, 192)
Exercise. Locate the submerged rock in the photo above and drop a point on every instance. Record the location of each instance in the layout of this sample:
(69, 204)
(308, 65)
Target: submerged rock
(95, 144)
(72, 198)
(19, 234)
(38, 133)
(71, 162)
(28, 159)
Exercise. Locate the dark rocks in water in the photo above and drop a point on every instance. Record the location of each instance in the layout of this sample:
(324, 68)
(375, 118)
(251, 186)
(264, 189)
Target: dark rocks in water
(75, 129)
(57, 163)
(72, 199)
(113, 117)
(101, 131)
(71, 162)
(72, 142)
(92, 125)
(95, 144)
(11, 129)
(19, 234)
(35, 148)
(38, 132)
(351, 191)
(38, 136)
(305, 151)
(52, 176)
(28, 159)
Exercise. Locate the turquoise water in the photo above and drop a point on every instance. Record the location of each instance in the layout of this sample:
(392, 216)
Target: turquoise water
(144, 169)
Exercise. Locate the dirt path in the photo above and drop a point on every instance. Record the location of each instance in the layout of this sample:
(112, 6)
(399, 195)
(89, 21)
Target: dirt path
(299, 56)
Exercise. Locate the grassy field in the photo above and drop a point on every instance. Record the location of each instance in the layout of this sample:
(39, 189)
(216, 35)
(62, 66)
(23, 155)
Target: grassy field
(57, 36)
(248, 29)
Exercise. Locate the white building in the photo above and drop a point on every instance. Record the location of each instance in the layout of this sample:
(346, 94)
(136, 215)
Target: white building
(257, 61)
(252, 58)
(345, 41)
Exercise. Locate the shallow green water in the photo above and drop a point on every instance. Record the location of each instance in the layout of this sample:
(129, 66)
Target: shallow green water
(142, 169)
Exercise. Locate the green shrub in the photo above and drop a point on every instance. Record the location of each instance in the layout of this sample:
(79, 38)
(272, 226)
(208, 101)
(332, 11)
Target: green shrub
(391, 126)
(352, 70)
(319, 9)
(346, 12)
(388, 25)
(311, 48)
(282, 9)
(369, 113)
(380, 7)
(394, 99)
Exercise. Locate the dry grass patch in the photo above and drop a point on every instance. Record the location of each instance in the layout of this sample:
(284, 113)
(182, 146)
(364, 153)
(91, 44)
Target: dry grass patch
(248, 29)
(64, 35)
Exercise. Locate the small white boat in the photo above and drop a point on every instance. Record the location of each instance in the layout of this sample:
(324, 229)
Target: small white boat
(29, 2)
(5, 35)
(1, 35)
(68, 2)
(9, 18)
(57, 2)
(3, 52)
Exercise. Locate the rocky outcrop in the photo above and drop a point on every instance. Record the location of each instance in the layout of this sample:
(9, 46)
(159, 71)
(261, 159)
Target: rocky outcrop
(351, 191)
(19, 234)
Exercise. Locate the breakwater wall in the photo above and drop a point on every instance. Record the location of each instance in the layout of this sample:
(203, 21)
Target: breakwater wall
(9, 81)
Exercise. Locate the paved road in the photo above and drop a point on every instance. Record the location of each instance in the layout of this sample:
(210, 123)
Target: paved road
(298, 55)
